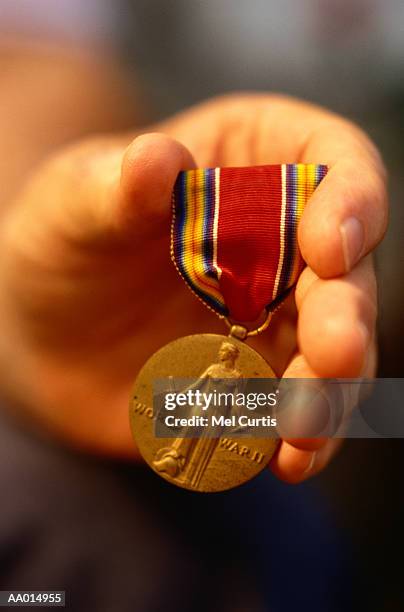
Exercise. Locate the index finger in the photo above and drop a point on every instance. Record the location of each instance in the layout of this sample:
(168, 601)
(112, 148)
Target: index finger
(347, 215)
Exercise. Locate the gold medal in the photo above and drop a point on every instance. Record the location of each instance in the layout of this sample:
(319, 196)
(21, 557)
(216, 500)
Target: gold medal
(200, 464)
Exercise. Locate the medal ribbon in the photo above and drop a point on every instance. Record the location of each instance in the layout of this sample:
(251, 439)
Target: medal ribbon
(234, 234)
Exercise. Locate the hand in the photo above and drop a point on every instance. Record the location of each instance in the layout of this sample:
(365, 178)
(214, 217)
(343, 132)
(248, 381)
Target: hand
(88, 291)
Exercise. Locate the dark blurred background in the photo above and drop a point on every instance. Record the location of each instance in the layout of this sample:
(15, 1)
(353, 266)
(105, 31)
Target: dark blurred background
(345, 54)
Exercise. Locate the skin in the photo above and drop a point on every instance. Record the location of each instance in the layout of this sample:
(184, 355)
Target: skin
(88, 291)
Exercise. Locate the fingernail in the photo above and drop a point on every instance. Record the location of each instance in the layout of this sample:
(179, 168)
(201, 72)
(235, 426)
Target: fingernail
(352, 237)
(310, 465)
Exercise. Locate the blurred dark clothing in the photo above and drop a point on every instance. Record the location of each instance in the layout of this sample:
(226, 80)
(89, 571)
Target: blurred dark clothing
(116, 537)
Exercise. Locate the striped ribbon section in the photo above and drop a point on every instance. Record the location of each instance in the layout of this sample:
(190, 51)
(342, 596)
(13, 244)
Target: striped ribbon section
(234, 234)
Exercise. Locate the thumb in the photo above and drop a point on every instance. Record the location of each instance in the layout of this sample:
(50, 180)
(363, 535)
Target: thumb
(99, 193)
(149, 169)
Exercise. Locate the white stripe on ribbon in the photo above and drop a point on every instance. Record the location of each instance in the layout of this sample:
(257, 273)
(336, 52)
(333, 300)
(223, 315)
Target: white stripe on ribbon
(282, 234)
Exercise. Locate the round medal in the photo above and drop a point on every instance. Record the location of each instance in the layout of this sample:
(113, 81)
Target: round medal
(234, 243)
(205, 464)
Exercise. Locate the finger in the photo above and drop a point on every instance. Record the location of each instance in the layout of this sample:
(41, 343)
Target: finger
(300, 458)
(149, 169)
(323, 457)
(305, 281)
(346, 217)
(336, 322)
(294, 465)
(115, 194)
(293, 416)
(290, 464)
